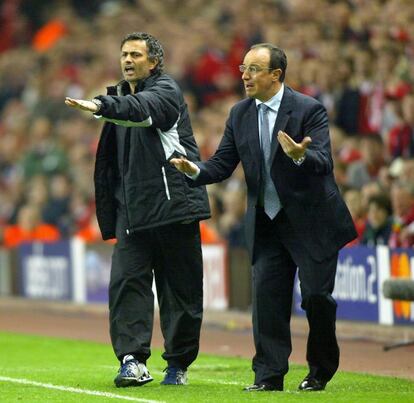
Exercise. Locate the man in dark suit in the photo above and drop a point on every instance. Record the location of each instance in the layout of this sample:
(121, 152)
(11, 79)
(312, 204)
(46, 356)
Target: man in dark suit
(295, 215)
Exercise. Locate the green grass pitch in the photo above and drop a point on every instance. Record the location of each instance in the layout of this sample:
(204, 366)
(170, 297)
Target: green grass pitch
(39, 369)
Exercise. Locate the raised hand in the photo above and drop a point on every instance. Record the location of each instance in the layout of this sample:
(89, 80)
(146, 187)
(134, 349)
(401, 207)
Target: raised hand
(290, 147)
(81, 104)
(185, 166)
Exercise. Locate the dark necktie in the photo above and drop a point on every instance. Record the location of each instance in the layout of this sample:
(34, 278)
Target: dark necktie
(271, 201)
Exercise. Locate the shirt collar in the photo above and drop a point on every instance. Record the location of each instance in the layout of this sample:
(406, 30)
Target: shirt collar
(274, 102)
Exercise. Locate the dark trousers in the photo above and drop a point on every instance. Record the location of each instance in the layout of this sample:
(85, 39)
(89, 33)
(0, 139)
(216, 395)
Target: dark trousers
(278, 254)
(172, 253)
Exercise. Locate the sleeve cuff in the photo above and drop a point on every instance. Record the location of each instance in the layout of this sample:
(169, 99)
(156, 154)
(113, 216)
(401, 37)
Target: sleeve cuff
(195, 176)
(98, 103)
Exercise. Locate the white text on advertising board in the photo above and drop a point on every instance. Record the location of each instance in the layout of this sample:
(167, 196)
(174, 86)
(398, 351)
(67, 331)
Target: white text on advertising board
(355, 282)
(47, 277)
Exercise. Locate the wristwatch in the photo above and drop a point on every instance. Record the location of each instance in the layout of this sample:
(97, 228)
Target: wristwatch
(98, 103)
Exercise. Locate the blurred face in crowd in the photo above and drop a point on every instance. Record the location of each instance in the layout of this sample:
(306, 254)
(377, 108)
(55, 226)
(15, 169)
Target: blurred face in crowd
(263, 83)
(377, 215)
(402, 200)
(28, 217)
(135, 64)
(368, 190)
(354, 203)
(407, 173)
(372, 151)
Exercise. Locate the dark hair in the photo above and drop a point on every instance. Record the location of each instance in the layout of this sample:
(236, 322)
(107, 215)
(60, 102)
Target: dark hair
(154, 49)
(382, 201)
(278, 59)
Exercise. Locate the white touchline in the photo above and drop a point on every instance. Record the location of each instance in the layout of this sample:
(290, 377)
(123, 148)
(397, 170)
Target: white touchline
(77, 390)
(220, 382)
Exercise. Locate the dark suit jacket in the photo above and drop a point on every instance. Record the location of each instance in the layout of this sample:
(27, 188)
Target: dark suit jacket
(309, 194)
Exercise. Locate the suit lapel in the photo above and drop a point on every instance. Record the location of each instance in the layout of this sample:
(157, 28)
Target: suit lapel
(282, 119)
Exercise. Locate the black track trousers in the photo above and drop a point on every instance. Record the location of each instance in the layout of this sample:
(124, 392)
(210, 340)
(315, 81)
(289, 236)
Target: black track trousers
(171, 253)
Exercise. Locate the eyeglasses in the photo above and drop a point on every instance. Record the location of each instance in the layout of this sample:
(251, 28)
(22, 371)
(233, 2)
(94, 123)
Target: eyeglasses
(252, 69)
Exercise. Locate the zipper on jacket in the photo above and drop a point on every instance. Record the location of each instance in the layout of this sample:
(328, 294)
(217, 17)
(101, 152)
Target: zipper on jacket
(125, 169)
(164, 177)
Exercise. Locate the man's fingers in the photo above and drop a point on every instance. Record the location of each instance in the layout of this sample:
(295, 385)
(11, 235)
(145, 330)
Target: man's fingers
(284, 136)
(306, 141)
(178, 160)
(179, 163)
(81, 104)
(175, 161)
(184, 166)
(74, 103)
(285, 141)
(290, 147)
(70, 101)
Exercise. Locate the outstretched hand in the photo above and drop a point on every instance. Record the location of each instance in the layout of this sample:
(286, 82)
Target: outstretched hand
(81, 104)
(290, 147)
(185, 166)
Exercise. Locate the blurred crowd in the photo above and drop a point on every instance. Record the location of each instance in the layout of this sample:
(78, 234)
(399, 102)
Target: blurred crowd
(355, 56)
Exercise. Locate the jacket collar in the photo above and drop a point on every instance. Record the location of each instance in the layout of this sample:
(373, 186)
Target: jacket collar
(274, 102)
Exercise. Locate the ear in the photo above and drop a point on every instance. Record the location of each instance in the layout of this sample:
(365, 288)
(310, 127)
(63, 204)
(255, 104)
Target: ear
(153, 63)
(276, 74)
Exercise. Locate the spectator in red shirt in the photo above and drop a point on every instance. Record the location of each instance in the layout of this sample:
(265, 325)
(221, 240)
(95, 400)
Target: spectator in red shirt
(401, 135)
(402, 200)
(29, 228)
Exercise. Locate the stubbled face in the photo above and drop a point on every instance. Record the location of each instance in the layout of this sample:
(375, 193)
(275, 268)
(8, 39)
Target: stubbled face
(265, 83)
(134, 61)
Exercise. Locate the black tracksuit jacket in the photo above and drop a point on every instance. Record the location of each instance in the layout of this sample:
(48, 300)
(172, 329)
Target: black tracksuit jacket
(142, 132)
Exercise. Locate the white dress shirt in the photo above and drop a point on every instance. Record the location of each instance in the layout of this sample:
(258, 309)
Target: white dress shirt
(273, 104)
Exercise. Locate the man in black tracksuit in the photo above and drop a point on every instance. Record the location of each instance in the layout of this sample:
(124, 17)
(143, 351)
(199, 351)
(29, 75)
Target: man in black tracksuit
(147, 205)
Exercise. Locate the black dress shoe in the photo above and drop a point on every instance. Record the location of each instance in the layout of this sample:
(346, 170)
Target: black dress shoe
(312, 384)
(261, 387)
